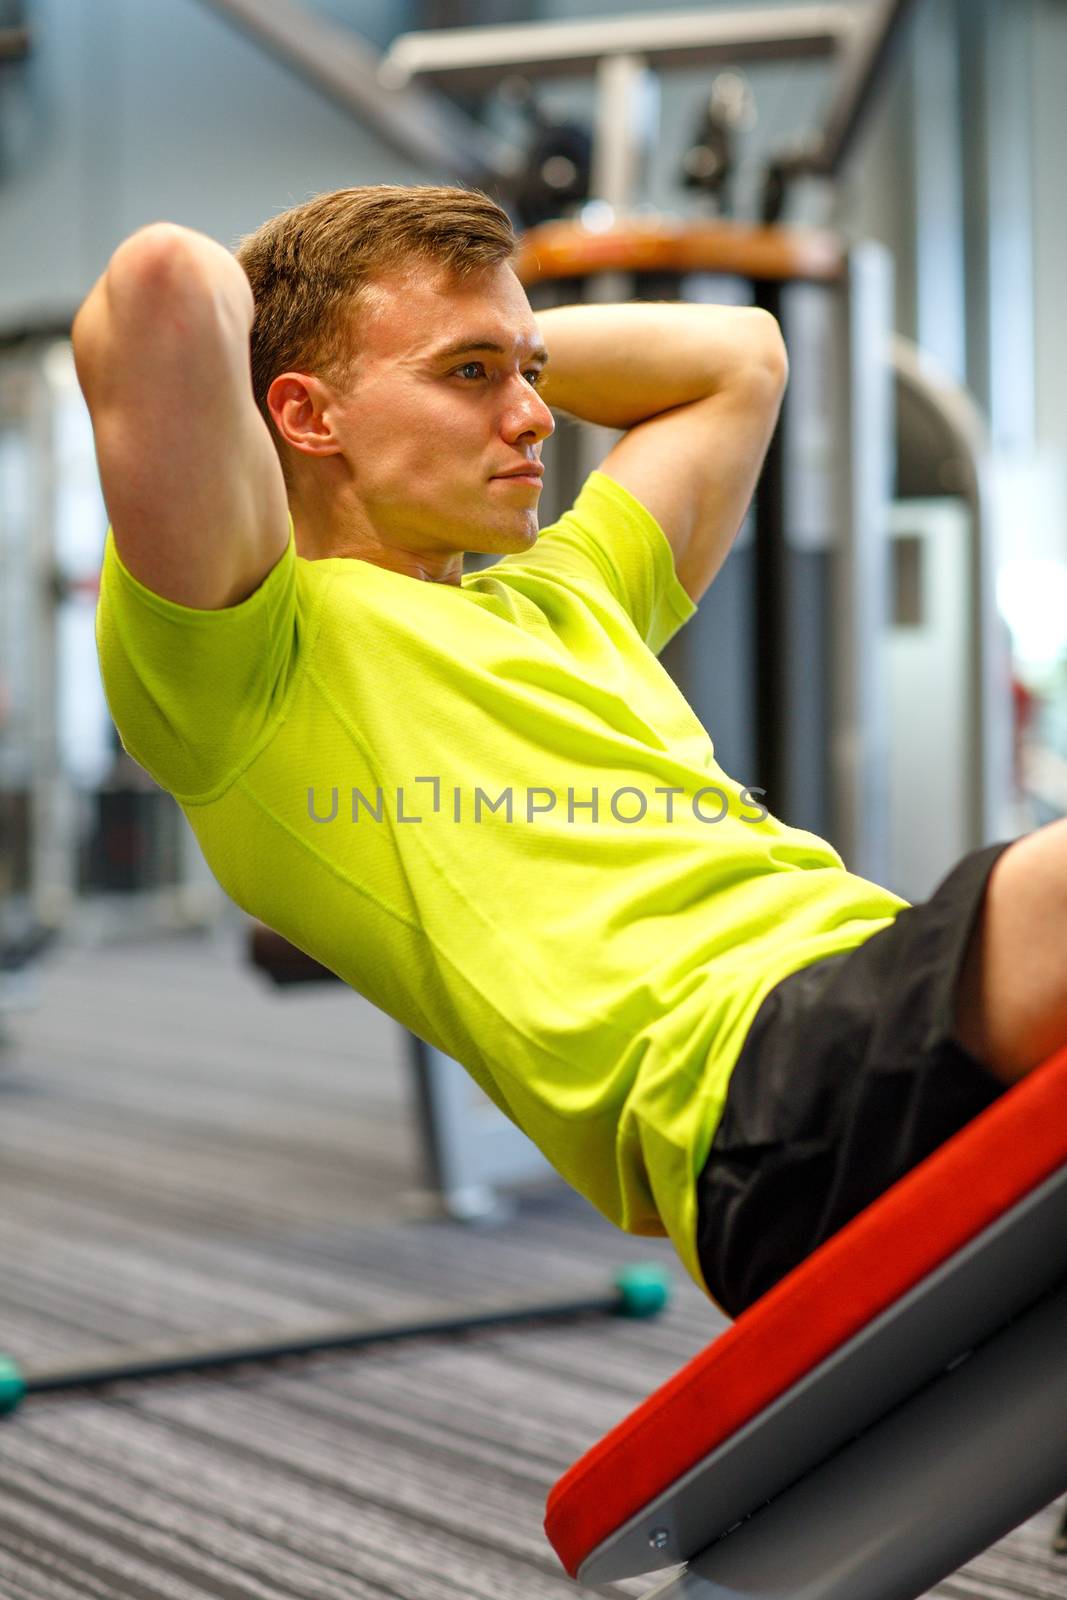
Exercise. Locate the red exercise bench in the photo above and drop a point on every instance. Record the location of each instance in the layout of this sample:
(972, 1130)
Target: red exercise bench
(888, 1410)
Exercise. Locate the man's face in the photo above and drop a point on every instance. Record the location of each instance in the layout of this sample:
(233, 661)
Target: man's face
(441, 404)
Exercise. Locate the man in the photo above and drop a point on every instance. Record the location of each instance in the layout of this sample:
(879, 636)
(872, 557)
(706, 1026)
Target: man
(478, 798)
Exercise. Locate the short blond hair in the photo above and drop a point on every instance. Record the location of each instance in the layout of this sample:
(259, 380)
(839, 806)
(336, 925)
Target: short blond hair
(311, 267)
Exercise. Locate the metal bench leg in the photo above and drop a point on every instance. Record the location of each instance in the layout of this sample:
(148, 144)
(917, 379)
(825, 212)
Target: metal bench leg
(951, 1471)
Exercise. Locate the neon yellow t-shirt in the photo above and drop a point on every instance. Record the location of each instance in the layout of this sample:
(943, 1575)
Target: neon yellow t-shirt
(490, 810)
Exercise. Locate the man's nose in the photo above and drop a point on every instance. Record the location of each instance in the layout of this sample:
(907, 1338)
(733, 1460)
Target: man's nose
(529, 415)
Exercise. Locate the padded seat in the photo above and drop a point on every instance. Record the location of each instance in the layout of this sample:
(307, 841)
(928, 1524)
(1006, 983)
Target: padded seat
(889, 1409)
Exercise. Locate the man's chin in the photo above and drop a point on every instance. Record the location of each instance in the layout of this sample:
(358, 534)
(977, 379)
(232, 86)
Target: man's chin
(502, 540)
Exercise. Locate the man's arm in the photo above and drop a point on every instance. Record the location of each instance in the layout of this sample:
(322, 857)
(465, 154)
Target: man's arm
(698, 389)
(191, 479)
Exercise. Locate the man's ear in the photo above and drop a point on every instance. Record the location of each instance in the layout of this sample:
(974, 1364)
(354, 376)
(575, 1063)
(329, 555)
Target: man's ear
(299, 406)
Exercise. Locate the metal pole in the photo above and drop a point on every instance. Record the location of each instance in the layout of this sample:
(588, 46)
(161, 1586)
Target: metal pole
(770, 609)
(626, 106)
(414, 122)
(859, 742)
(864, 72)
(475, 57)
(824, 153)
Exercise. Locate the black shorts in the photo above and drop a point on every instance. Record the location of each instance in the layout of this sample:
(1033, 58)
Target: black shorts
(848, 1078)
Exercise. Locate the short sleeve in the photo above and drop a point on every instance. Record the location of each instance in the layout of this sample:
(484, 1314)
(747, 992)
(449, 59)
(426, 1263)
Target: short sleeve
(608, 537)
(196, 694)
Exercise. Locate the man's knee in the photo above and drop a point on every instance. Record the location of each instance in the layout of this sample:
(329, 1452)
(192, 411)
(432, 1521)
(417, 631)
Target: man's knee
(1011, 1003)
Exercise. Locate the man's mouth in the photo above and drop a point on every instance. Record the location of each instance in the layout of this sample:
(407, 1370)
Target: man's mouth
(525, 469)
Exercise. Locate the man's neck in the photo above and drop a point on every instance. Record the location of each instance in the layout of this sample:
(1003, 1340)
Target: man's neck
(327, 530)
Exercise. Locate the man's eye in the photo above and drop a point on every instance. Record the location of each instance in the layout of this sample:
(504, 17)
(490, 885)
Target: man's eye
(533, 374)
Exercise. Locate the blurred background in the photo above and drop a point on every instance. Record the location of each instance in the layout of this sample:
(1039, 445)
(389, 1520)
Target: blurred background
(885, 651)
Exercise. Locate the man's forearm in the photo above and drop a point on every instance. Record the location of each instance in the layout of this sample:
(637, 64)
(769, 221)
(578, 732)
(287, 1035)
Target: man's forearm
(616, 365)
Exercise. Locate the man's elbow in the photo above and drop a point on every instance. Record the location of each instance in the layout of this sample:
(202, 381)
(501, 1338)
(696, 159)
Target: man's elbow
(142, 271)
(770, 358)
(753, 363)
(165, 289)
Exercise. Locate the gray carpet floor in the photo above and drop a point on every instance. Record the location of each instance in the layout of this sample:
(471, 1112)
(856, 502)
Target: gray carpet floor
(187, 1153)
